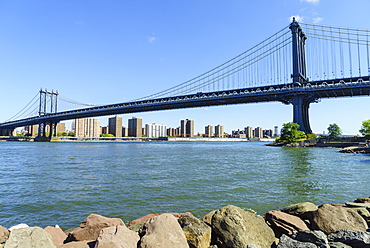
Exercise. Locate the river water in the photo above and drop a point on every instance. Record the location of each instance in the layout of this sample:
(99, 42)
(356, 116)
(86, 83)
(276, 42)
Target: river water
(62, 183)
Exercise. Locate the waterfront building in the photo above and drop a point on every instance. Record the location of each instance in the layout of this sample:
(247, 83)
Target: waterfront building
(135, 127)
(209, 131)
(187, 128)
(124, 131)
(115, 126)
(172, 132)
(219, 131)
(248, 132)
(267, 133)
(276, 131)
(104, 130)
(155, 130)
(87, 127)
(258, 133)
(32, 130)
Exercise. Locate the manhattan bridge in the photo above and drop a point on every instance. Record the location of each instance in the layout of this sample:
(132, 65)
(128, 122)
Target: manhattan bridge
(300, 64)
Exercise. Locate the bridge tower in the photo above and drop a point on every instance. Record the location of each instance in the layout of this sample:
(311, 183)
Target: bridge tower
(300, 102)
(47, 97)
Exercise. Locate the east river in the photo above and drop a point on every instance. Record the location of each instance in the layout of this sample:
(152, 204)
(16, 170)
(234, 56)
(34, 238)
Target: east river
(62, 183)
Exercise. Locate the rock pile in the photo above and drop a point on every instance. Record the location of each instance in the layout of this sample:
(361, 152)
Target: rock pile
(298, 225)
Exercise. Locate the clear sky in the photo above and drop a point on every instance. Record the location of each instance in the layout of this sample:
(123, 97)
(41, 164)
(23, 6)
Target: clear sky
(114, 51)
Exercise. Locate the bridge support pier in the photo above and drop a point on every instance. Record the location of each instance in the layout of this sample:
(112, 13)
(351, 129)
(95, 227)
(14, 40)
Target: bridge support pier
(7, 132)
(42, 133)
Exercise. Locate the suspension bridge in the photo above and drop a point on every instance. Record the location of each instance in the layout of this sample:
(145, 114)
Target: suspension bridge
(299, 65)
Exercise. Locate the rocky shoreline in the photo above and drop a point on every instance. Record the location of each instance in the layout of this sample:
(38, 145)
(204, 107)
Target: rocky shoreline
(299, 225)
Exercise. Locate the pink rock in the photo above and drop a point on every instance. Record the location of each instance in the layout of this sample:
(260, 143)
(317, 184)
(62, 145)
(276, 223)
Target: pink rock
(283, 223)
(92, 225)
(57, 235)
(4, 234)
(117, 237)
(162, 231)
(148, 216)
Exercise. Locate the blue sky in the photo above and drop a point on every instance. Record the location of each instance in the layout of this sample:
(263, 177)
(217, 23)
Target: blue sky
(105, 52)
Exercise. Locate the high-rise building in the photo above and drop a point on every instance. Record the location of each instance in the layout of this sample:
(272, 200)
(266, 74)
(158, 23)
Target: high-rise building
(267, 133)
(248, 132)
(33, 130)
(155, 130)
(276, 131)
(115, 126)
(219, 131)
(209, 131)
(187, 128)
(124, 131)
(172, 132)
(87, 127)
(258, 132)
(135, 127)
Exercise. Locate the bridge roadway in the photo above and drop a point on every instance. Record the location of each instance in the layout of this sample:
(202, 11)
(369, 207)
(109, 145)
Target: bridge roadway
(333, 88)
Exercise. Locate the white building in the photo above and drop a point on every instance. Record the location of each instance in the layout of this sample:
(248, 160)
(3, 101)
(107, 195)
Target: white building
(87, 127)
(155, 130)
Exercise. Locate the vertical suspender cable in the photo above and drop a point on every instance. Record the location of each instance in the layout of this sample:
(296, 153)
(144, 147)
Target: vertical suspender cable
(358, 55)
(350, 54)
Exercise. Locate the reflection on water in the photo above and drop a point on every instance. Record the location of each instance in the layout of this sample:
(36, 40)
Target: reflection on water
(61, 183)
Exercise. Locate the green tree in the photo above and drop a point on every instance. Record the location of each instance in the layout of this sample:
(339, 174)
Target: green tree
(107, 135)
(365, 129)
(334, 130)
(290, 133)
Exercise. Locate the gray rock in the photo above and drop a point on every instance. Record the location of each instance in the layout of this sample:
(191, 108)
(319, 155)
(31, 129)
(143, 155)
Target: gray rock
(30, 237)
(162, 231)
(300, 209)
(358, 205)
(117, 237)
(197, 233)
(237, 228)
(287, 242)
(316, 237)
(351, 238)
(338, 245)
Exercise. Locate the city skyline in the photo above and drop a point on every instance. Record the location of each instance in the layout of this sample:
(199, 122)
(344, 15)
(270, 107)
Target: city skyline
(137, 49)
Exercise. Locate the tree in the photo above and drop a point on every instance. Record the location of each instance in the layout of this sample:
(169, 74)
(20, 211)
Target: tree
(290, 133)
(334, 130)
(365, 129)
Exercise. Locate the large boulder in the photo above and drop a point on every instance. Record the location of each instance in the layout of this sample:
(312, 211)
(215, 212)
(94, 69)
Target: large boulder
(90, 228)
(4, 234)
(149, 216)
(300, 209)
(351, 238)
(362, 200)
(117, 237)
(57, 235)
(237, 228)
(197, 233)
(30, 237)
(330, 218)
(283, 223)
(316, 237)
(162, 231)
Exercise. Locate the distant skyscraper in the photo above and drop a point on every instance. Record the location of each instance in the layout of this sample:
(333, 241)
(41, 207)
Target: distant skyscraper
(276, 131)
(219, 131)
(87, 127)
(172, 132)
(267, 132)
(124, 131)
(187, 128)
(209, 131)
(258, 132)
(115, 126)
(135, 127)
(248, 132)
(155, 130)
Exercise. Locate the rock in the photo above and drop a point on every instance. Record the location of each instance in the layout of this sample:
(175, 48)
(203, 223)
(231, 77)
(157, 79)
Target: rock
(148, 216)
(364, 214)
(351, 238)
(136, 227)
(300, 209)
(22, 225)
(162, 231)
(117, 237)
(316, 237)
(362, 200)
(4, 234)
(283, 223)
(330, 218)
(357, 205)
(237, 228)
(80, 244)
(30, 237)
(338, 245)
(197, 233)
(208, 217)
(91, 227)
(57, 235)
(287, 242)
